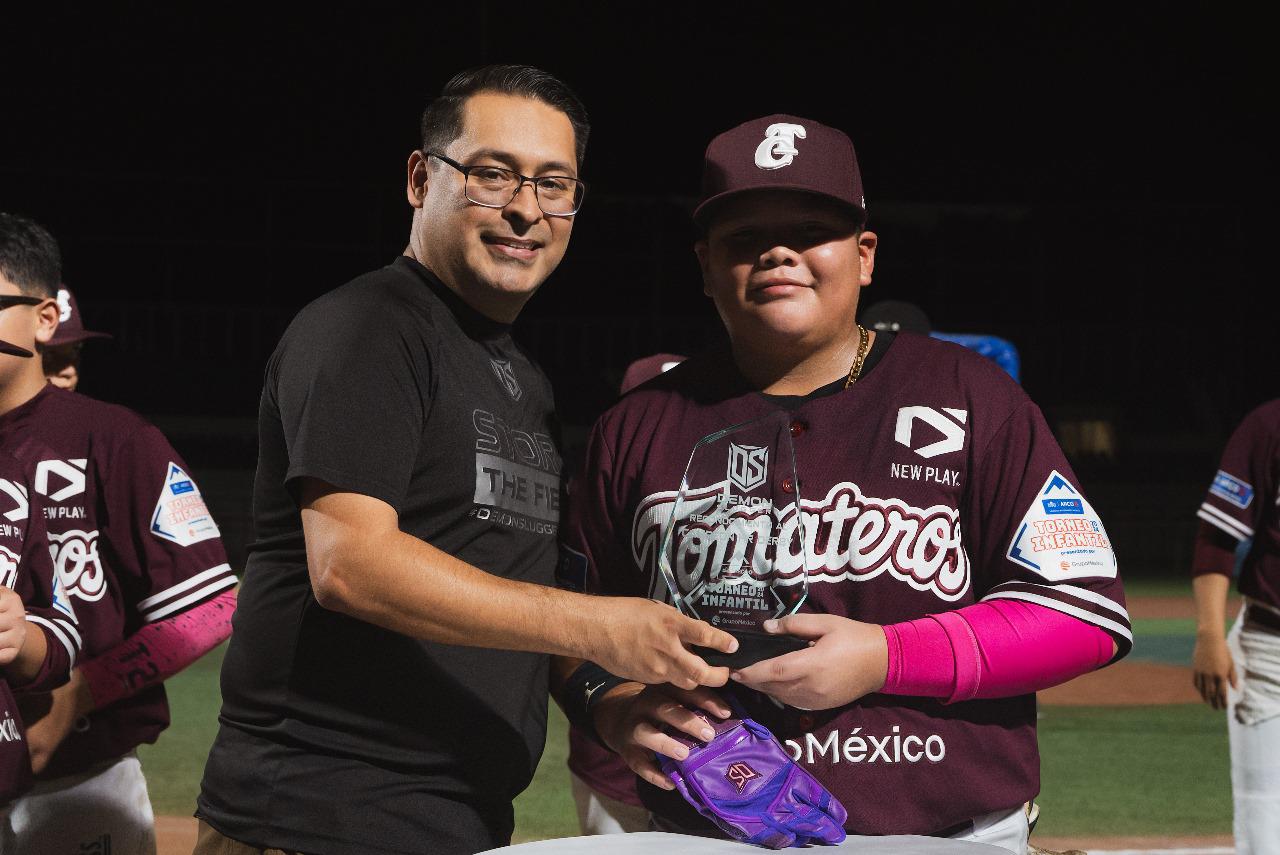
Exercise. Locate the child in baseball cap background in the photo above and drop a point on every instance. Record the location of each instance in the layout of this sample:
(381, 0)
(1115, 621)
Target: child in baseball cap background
(62, 354)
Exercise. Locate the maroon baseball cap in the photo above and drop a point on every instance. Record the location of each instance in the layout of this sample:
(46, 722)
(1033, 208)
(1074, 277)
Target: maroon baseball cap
(13, 350)
(70, 327)
(781, 152)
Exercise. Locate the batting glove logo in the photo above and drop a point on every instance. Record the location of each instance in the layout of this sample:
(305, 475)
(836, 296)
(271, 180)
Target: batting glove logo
(739, 774)
(779, 146)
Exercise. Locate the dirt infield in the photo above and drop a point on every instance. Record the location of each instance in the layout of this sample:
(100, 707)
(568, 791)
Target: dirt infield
(175, 835)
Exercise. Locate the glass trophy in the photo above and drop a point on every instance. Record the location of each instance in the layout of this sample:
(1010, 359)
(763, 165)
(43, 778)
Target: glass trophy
(734, 552)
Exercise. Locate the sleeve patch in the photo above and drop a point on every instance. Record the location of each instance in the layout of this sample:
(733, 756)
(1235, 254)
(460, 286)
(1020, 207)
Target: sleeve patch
(181, 515)
(1231, 489)
(61, 601)
(1061, 536)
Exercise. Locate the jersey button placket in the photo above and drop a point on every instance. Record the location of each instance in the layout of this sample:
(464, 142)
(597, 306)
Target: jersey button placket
(797, 427)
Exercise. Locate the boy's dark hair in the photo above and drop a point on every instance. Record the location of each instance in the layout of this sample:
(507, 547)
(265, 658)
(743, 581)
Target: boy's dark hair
(442, 120)
(29, 256)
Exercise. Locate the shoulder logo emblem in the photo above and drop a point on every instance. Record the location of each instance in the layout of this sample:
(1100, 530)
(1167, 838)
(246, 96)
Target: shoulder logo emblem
(180, 515)
(1061, 536)
(779, 146)
(950, 425)
(748, 466)
(59, 480)
(506, 375)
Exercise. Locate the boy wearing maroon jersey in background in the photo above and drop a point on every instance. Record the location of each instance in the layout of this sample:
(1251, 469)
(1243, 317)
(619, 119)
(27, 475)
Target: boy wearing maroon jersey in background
(1242, 672)
(38, 636)
(141, 564)
(954, 566)
(61, 356)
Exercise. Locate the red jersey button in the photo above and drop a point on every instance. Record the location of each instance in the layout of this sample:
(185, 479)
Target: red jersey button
(798, 427)
(788, 486)
(805, 721)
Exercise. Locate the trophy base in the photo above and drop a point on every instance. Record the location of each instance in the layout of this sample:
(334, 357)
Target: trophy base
(753, 647)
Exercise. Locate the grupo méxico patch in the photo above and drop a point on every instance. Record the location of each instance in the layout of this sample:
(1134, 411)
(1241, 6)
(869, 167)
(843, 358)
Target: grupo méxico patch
(1061, 536)
(181, 515)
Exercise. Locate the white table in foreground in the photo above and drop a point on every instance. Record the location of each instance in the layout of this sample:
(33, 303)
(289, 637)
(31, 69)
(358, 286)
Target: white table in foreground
(663, 843)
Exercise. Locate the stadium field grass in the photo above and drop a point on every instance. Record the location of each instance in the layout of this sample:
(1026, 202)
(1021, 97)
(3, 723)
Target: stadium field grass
(1158, 770)
(1105, 770)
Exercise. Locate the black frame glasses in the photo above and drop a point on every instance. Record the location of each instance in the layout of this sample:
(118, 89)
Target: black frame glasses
(7, 300)
(576, 188)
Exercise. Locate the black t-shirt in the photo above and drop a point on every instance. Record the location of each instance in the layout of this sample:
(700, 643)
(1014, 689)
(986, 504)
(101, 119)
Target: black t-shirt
(336, 735)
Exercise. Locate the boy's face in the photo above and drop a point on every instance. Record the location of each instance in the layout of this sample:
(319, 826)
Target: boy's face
(785, 267)
(62, 365)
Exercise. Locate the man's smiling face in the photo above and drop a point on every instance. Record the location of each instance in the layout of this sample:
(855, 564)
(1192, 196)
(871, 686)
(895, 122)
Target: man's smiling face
(496, 258)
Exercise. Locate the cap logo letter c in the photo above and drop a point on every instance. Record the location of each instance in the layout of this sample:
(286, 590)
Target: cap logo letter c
(779, 146)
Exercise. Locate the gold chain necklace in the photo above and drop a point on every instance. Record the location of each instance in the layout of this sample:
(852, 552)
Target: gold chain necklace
(855, 369)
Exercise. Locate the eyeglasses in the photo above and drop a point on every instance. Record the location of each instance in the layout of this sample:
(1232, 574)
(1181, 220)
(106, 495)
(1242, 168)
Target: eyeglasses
(7, 300)
(495, 187)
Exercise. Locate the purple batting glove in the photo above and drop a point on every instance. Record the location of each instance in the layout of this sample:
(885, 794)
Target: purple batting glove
(747, 784)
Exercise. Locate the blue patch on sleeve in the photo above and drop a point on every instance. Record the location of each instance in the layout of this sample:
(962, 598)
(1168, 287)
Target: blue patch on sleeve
(1062, 506)
(1231, 489)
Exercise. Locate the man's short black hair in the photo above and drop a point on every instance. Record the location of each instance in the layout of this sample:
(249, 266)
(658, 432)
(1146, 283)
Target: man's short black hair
(442, 120)
(29, 256)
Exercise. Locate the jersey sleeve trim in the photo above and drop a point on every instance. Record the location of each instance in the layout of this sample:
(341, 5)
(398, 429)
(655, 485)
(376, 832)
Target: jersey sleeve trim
(1088, 606)
(1228, 524)
(189, 592)
(64, 631)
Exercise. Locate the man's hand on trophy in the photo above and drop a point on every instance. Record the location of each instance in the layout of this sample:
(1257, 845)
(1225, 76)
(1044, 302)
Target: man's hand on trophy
(636, 721)
(845, 660)
(649, 642)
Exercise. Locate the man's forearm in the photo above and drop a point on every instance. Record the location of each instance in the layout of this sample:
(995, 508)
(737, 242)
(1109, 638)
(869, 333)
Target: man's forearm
(361, 564)
(399, 582)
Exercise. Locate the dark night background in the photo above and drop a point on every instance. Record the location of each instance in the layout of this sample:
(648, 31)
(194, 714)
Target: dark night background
(1093, 182)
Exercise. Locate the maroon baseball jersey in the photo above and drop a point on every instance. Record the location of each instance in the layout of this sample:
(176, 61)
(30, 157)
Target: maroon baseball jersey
(1244, 500)
(931, 484)
(131, 539)
(25, 568)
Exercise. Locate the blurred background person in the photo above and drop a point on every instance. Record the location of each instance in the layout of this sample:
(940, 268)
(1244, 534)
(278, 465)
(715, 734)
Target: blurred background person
(61, 356)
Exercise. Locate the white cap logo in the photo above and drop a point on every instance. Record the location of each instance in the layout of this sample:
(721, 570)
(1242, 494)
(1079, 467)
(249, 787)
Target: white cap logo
(64, 305)
(779, 146)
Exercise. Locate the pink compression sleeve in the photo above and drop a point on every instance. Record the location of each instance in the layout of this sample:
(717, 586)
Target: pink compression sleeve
(159, 650)
(991, 650)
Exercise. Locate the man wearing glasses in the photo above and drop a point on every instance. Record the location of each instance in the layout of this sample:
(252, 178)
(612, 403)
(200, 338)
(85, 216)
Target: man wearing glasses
(386, 685)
